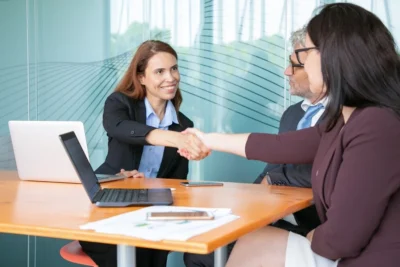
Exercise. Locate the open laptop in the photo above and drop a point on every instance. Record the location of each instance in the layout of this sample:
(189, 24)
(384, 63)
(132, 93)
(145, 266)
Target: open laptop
(40, 156)
(114, 197)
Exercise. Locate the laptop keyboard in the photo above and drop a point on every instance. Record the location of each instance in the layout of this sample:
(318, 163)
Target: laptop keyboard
(124, 195)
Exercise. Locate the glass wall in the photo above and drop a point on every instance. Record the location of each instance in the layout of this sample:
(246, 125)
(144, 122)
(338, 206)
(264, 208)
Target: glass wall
(63, 58)
(60, 59)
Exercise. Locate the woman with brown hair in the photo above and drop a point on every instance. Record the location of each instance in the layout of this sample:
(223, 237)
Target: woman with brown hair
(143, 125)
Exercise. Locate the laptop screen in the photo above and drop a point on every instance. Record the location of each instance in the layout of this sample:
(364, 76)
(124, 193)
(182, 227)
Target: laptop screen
(81, 163)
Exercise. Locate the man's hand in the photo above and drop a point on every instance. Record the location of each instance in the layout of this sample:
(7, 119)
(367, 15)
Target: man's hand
(264, 181)
(310, 235)
(131, 174)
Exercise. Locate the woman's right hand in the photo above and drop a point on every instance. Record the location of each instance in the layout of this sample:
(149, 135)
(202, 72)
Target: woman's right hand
(192, 146)
(196, 132)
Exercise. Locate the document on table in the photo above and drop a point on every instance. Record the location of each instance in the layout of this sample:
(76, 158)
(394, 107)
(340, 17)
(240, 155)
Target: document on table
(135, 224)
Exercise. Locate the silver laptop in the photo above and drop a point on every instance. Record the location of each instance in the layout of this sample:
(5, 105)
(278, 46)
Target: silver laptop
(114, 197)
(40, 156)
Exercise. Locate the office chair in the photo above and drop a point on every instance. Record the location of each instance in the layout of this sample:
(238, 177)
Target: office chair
(73, 252)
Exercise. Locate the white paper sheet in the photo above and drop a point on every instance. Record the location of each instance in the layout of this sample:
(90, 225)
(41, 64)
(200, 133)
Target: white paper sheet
(134, 224)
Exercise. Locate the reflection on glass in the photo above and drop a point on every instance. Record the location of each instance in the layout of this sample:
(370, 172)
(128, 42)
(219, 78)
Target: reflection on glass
(65, 57)
(60, 59)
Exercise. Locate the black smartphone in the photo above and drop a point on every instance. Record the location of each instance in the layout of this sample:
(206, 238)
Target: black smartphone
(204, 183)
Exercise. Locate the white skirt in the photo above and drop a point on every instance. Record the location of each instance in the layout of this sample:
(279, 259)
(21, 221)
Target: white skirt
(299, 254)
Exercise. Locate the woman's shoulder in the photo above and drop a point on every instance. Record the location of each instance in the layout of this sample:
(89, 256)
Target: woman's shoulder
(122, 98)
(118, 95)
(377, 115)
(374, 119)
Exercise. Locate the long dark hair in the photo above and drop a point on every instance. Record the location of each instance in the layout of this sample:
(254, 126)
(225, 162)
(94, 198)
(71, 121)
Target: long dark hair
(130, 84)
(359, 62)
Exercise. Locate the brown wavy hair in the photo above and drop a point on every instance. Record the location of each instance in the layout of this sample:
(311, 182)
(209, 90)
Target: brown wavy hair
(130, 84)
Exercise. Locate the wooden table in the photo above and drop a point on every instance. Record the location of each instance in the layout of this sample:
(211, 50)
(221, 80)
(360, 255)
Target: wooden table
(58, 209)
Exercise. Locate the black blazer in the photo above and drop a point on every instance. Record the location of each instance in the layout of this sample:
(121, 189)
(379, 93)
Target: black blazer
(289, 174)
(124, 120)
(293, 174)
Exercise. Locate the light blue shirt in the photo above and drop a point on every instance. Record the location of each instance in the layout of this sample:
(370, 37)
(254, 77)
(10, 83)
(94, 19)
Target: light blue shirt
(152, 155)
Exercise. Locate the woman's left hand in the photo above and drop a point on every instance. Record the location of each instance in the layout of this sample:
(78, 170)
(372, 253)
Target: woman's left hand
(131, 174)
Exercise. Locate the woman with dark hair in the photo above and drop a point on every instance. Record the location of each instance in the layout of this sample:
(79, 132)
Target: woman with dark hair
(351, 56)
(143, 124)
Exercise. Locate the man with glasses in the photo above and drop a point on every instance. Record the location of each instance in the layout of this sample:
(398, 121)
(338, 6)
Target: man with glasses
(298, 116)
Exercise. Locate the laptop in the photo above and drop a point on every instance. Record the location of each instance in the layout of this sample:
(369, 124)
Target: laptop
(114, 197)
(40, 156)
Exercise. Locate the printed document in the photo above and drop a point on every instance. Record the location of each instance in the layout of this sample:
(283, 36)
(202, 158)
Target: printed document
(134, 224)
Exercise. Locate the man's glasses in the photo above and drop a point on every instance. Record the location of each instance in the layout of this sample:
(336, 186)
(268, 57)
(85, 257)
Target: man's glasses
(301, 50)
(295, 65)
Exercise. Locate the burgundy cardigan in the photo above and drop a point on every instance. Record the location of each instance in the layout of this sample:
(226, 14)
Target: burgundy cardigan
(355, 181)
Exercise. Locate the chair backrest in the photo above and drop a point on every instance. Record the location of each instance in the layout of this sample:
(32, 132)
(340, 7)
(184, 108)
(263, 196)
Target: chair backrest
(73, 252)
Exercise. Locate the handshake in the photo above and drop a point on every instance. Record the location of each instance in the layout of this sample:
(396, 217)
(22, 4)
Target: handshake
(192, 144)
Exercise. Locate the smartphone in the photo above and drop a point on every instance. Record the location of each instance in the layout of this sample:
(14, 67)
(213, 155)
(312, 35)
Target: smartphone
(180, 215)
(189, 184)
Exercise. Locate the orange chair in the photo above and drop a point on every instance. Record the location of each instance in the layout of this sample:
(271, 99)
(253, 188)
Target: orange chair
(73, 252)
